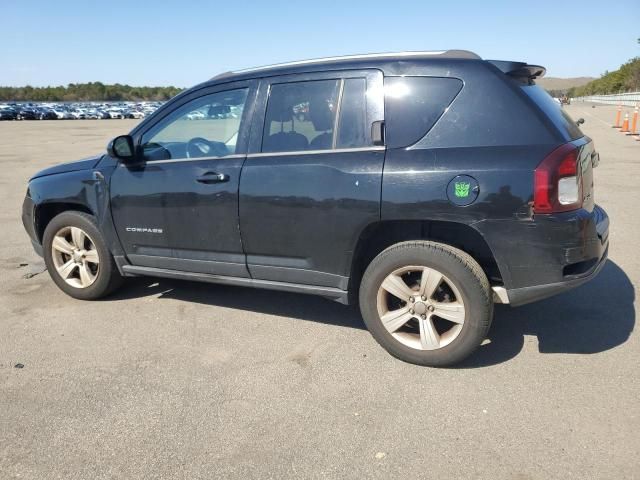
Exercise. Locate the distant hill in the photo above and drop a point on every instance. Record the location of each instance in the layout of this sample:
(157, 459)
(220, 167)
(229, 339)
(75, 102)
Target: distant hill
(553, 83)
(624, 79)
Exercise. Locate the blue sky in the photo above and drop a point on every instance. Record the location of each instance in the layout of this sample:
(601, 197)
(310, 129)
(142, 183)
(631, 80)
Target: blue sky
(181, 43)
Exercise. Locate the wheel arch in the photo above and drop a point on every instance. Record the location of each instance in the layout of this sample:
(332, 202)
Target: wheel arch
(84, 191)
(380, 235)
(45, 212)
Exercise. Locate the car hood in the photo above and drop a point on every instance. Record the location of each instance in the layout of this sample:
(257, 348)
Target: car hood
(84, 164)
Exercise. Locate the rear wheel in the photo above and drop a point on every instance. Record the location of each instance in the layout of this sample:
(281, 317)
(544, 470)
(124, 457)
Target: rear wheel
(77, 257)
(426, 303)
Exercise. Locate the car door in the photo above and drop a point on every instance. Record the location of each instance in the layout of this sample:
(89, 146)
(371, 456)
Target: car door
(312, 180)
(178, 208)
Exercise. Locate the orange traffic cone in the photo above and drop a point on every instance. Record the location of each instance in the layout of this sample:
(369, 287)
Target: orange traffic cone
(625, 124)
(617, 125)
(634, 122)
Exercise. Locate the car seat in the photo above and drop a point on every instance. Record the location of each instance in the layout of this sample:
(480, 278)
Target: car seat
(283, 141)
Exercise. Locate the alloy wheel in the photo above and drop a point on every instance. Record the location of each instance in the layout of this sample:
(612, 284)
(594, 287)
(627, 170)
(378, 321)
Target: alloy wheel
(421, 307)
(75, 257)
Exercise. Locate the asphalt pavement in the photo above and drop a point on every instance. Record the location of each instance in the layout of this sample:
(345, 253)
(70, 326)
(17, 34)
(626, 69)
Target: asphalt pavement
(173, 380)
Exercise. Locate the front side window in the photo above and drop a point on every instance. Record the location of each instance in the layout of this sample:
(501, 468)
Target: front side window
(207, 126)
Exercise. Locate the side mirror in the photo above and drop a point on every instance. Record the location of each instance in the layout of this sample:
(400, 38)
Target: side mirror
(122, 148)
(580, 121)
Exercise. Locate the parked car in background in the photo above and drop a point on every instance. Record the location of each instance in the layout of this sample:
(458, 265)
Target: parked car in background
(77, 110)
(134, 114)
(92, 114)
(62, 114)
(28, 113)
(47, 114)
(197, 115)
(115, 113)
(8, 113)
(78, 113)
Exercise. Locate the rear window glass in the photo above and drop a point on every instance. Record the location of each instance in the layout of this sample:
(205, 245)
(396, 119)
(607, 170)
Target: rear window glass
(554, 112)
(413, 105)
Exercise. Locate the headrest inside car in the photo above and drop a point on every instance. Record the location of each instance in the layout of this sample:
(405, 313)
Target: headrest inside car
(281, 113)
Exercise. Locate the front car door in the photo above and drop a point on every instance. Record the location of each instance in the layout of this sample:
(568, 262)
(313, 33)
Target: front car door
(178, 208)
(312, 180)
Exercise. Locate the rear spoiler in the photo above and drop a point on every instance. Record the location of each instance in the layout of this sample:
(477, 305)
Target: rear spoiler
(519, 69)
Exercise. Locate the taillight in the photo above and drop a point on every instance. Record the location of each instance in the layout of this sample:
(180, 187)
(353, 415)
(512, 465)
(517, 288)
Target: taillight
(557, 182)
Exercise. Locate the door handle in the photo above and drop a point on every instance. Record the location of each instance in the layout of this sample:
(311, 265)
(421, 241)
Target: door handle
(212, 177)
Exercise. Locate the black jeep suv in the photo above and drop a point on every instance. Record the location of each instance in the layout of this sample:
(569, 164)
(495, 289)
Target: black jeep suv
(425, 186)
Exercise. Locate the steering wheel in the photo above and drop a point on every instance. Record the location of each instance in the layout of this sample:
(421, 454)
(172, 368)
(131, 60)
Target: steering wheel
(201, 147)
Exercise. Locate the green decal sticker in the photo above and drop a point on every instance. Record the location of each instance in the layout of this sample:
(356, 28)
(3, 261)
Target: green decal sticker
(462, 189)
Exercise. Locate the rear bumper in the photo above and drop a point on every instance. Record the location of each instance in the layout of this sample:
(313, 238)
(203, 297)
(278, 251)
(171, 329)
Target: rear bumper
(548, 255)
(524, 295)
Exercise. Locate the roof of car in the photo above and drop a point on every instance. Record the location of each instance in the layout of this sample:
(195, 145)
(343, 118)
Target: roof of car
(328, 62)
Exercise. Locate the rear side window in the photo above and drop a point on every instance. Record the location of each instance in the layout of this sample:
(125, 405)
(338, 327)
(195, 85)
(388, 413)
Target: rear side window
(316, 115)
(413, 105)
(352, 130)
(554, 112)
(301, 116)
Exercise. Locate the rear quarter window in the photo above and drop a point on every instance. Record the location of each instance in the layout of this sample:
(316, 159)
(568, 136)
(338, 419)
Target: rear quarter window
(553, 111)
(413, 105)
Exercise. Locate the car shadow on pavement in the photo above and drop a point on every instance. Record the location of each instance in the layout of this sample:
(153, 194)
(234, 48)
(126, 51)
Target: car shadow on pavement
(270, 302)
(593, 318)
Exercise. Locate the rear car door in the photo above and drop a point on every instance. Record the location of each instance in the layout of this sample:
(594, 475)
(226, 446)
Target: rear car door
(311, 182)
(178, 208)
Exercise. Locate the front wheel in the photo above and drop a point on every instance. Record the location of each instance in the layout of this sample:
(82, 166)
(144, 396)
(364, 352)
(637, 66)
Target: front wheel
(77, 257)
(426, 303)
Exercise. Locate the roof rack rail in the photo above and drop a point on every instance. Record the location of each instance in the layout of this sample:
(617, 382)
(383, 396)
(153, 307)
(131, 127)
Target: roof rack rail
(457, 54)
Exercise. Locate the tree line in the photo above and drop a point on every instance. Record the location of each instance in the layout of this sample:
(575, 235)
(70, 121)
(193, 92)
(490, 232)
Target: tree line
(92, 91)
(625, 79)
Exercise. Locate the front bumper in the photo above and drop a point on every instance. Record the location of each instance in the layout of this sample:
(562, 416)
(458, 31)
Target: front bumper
(28, 221)
(549, 255)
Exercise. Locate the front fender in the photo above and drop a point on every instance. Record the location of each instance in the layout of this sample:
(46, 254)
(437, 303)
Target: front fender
(84, 190)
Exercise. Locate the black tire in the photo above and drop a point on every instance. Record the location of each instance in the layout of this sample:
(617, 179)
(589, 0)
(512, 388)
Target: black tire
(108, 278)
(455, 264)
